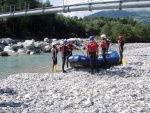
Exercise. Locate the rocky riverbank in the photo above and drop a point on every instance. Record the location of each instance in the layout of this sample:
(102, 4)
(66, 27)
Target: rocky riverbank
(10, 47)
(123, 89)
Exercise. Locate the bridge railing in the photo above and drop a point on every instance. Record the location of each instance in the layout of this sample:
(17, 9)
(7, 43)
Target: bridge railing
(24, 9)
(27, 6)
(18, 7)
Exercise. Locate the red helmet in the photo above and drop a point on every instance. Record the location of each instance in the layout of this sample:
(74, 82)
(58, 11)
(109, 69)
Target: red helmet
(120, 37)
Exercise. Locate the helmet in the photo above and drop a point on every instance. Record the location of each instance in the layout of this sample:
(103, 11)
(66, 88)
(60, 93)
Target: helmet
(65, 41)
(91, 37)
(103, 36)
(121, 37)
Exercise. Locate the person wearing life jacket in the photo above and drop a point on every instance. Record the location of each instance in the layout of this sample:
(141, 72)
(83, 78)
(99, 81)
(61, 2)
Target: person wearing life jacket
(70, 48)
(104, 44)
(92, 53)
(63, 49)
(54, 52)
(121, 46)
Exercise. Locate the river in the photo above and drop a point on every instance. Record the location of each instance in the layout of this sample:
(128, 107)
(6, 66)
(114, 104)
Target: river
(38, 63)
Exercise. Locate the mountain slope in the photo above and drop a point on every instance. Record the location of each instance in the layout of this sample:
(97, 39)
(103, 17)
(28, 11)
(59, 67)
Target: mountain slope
(141, 16)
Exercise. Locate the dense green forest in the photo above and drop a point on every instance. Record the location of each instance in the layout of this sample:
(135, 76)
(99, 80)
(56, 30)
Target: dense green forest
(59, 26)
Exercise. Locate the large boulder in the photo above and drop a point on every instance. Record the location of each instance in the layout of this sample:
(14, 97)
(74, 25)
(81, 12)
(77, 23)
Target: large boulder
(54, 40)
(28, 44)
(7, 41)
(38, 44)
(21, 51)
(20, 44)
(46, 48)
(46, 40)
(10, 50)
(15, 47)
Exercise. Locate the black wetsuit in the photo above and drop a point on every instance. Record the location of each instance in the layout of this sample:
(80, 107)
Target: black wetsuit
(121, 44)
(104, 50)
(64, 55)
(69, 54)
(93, 61)
(54, 55)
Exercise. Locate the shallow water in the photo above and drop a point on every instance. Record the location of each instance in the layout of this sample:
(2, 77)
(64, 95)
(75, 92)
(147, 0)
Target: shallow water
(38, 63)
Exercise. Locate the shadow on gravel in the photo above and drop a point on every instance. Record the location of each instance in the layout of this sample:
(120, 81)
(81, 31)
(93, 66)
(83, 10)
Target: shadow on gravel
(13, 104)
(8, 91)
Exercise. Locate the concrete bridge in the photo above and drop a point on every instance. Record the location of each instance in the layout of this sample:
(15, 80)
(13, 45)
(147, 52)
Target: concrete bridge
(64, 8)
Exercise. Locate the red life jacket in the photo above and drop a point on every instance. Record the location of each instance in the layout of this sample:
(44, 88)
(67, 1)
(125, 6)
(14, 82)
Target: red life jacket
(92, 46)
(104, 44)
(62, 48)
(70, 47)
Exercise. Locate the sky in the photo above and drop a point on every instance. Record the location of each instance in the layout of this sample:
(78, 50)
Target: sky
(84, 13)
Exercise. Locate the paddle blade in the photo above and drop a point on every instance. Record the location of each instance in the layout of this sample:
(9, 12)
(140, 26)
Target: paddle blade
(54, 69)
(124, 61)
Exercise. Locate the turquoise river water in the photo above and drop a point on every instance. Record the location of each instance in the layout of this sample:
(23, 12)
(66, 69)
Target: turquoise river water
(38, 63)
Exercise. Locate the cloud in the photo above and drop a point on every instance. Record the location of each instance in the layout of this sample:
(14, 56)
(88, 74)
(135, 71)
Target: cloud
(56, 2)
(79, 13)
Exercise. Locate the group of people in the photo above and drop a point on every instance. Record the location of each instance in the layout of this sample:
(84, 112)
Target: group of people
(93, 51)
(66, 51)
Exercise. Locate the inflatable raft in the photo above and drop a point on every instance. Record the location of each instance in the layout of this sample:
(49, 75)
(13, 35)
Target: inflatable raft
(82, 61)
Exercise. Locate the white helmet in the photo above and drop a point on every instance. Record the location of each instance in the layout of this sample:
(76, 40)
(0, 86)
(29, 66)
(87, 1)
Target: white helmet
(103, 36)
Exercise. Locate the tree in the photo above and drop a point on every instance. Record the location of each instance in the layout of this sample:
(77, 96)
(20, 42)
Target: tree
(106, 29)
(121, 29)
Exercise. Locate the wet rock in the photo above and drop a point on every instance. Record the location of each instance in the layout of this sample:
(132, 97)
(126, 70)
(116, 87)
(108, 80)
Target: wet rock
(4, 53)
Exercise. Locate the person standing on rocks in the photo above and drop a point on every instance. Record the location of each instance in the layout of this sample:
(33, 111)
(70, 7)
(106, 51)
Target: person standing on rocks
(54, 52)
(104, 49)
(121, 45)
(92, 53)
(70, 48)
(63, 49)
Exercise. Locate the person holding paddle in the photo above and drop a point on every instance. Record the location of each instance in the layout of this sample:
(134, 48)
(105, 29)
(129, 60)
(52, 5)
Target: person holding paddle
(54, 52)
(121, 45)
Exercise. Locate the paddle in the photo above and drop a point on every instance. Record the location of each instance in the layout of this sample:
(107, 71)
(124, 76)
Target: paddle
(82, 52)
(79, 49)
(54, 69)
(124, 62)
